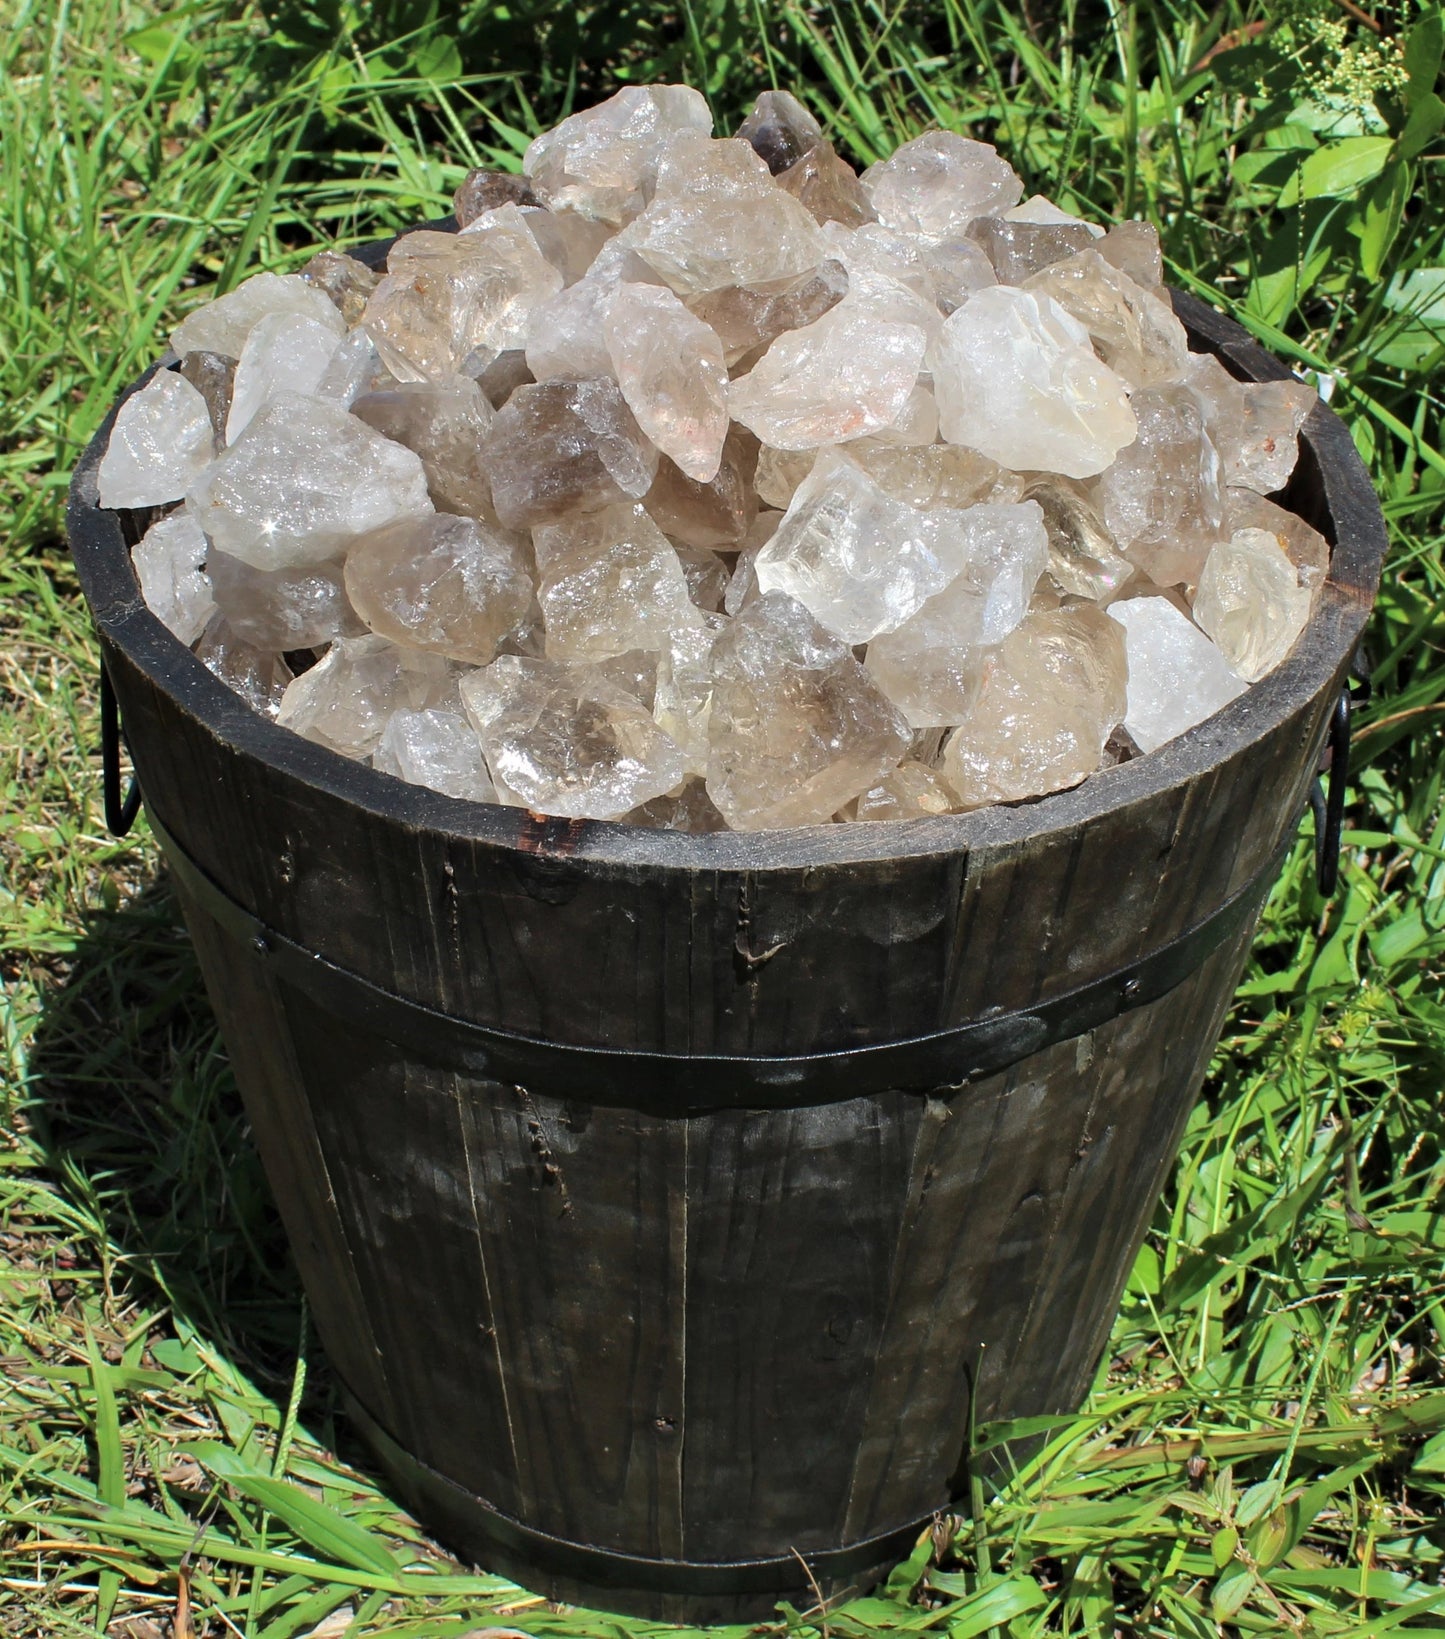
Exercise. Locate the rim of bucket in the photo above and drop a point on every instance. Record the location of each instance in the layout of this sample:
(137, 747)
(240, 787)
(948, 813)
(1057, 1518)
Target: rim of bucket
(1322, 650)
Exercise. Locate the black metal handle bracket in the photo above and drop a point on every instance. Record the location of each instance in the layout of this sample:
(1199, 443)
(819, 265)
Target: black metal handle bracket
(1327, 800)
(120, 812)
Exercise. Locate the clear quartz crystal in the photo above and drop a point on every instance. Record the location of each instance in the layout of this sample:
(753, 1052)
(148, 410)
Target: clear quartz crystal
(564, 738)
(1177, 677)
(1084, 558)
(1016, 377)
(603, 162)
(568, 339)
(435, 747)
(610, 582)
(301, 480)
(682, 698)
(284, 353)
(912, 791)
(566, 446)
(1018, 248)
(931, 665)
(569, 242)
(1255, 424)
(451, 302)
(282, 609)
(443, 583)
(687, 809)
(169, 563)
(860, 561)
(1048, 700)
(828, 188)
(1251, 602)
(779, 472)
(796, 728)
(934, 475)
(260, 676)
(1134, 331)
(222, 325)
(346, 699)
(743, 587)
(780, 130)
(1303, 545)
(1133, 248)
(355, 369)
(445, 423)
(348, 282)
(482, 191)
(214, 378)
(1162, 499)
(161, 443)
(669, 366)
(934, 186)
(747, 319)
(715, 514)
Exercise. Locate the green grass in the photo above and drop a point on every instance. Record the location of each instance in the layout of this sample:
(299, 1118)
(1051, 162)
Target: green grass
(1264, 1450)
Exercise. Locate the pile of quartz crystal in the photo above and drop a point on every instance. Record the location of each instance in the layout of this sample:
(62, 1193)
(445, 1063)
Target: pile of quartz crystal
(701, 482)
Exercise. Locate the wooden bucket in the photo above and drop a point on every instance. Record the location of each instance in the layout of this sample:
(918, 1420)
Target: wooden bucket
(672, 1206)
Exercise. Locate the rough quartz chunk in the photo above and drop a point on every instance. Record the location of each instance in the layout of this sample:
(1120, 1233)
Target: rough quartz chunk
(747, 318)
(1084, 558)
(708, 576)
(214, 378)
(846, 375)
(169, 563)
(1043, 211)
(1177, 677)
(282, 609)
(930, 667)
(1254, 424)
(566, 446)
(355, 368)
(779, 472)
(1018, 248)
(438, 748)
(912, 791)
(568, 241)
(564, 738)
(1049, 699)
(1016, 378)
(1251, 602)
(284, 353)
(743, 587)
(780, 130)
(346, 699)
(828, 188)
(451, 302)
(1133, 330)
(682, 698)
(1162, 499)
(796, 728)
(670, 368)
(160, 445)
(482, 191)
(222, 325)
(451, 585)
(603, 162)
(714, 514)
(610, 582)
(445, 423)
(690, 809)
(568, 339)
(301, 480)
(860, 561)
(1133, 248)
(346, 281)
(934, 186)
(1304, 546)
(260, 676)
(935, 475)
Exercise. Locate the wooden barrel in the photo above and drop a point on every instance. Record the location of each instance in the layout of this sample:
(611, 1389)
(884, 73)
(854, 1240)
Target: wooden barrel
(672, 1206)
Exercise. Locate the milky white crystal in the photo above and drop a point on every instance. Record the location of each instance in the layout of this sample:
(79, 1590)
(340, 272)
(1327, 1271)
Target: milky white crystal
(796, 728)
(284, 353)
(346, 699)
(301, 480)
(169, 564)
(435, 747)
(1016, 377)
(1177, 677)
(222, 325)
(1251, 602)
(603, 161)
(670, 368)
(159, 446)
(934, 186)
(563, 738)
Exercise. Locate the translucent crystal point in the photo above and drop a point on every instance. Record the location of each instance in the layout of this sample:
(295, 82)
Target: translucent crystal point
(282, 609)
(860, 561)
(912, 791)
(260, 676)
(564, 738)
(828, 188)
(482, 191)
(160, 444)
(1255, 424)
(222, 325)
(346, 699)
(931, 665)
(566, 446)
(603, 162)
(301, 480)
(1304, 546)
(1048, 700)
(169, 563)
(1134, 331)
(934, 186)
(347, 282)
(1162, 498)
(284, 353)
(796, 728)
(781, 130)
(568, 341)
(438, 748)
(1133, 248)
(670, 368)
(355, 369)
(445, 423)
(714, 514)
(443, 583)
(1016, 377)
(1177, 677)
(1251, 602)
